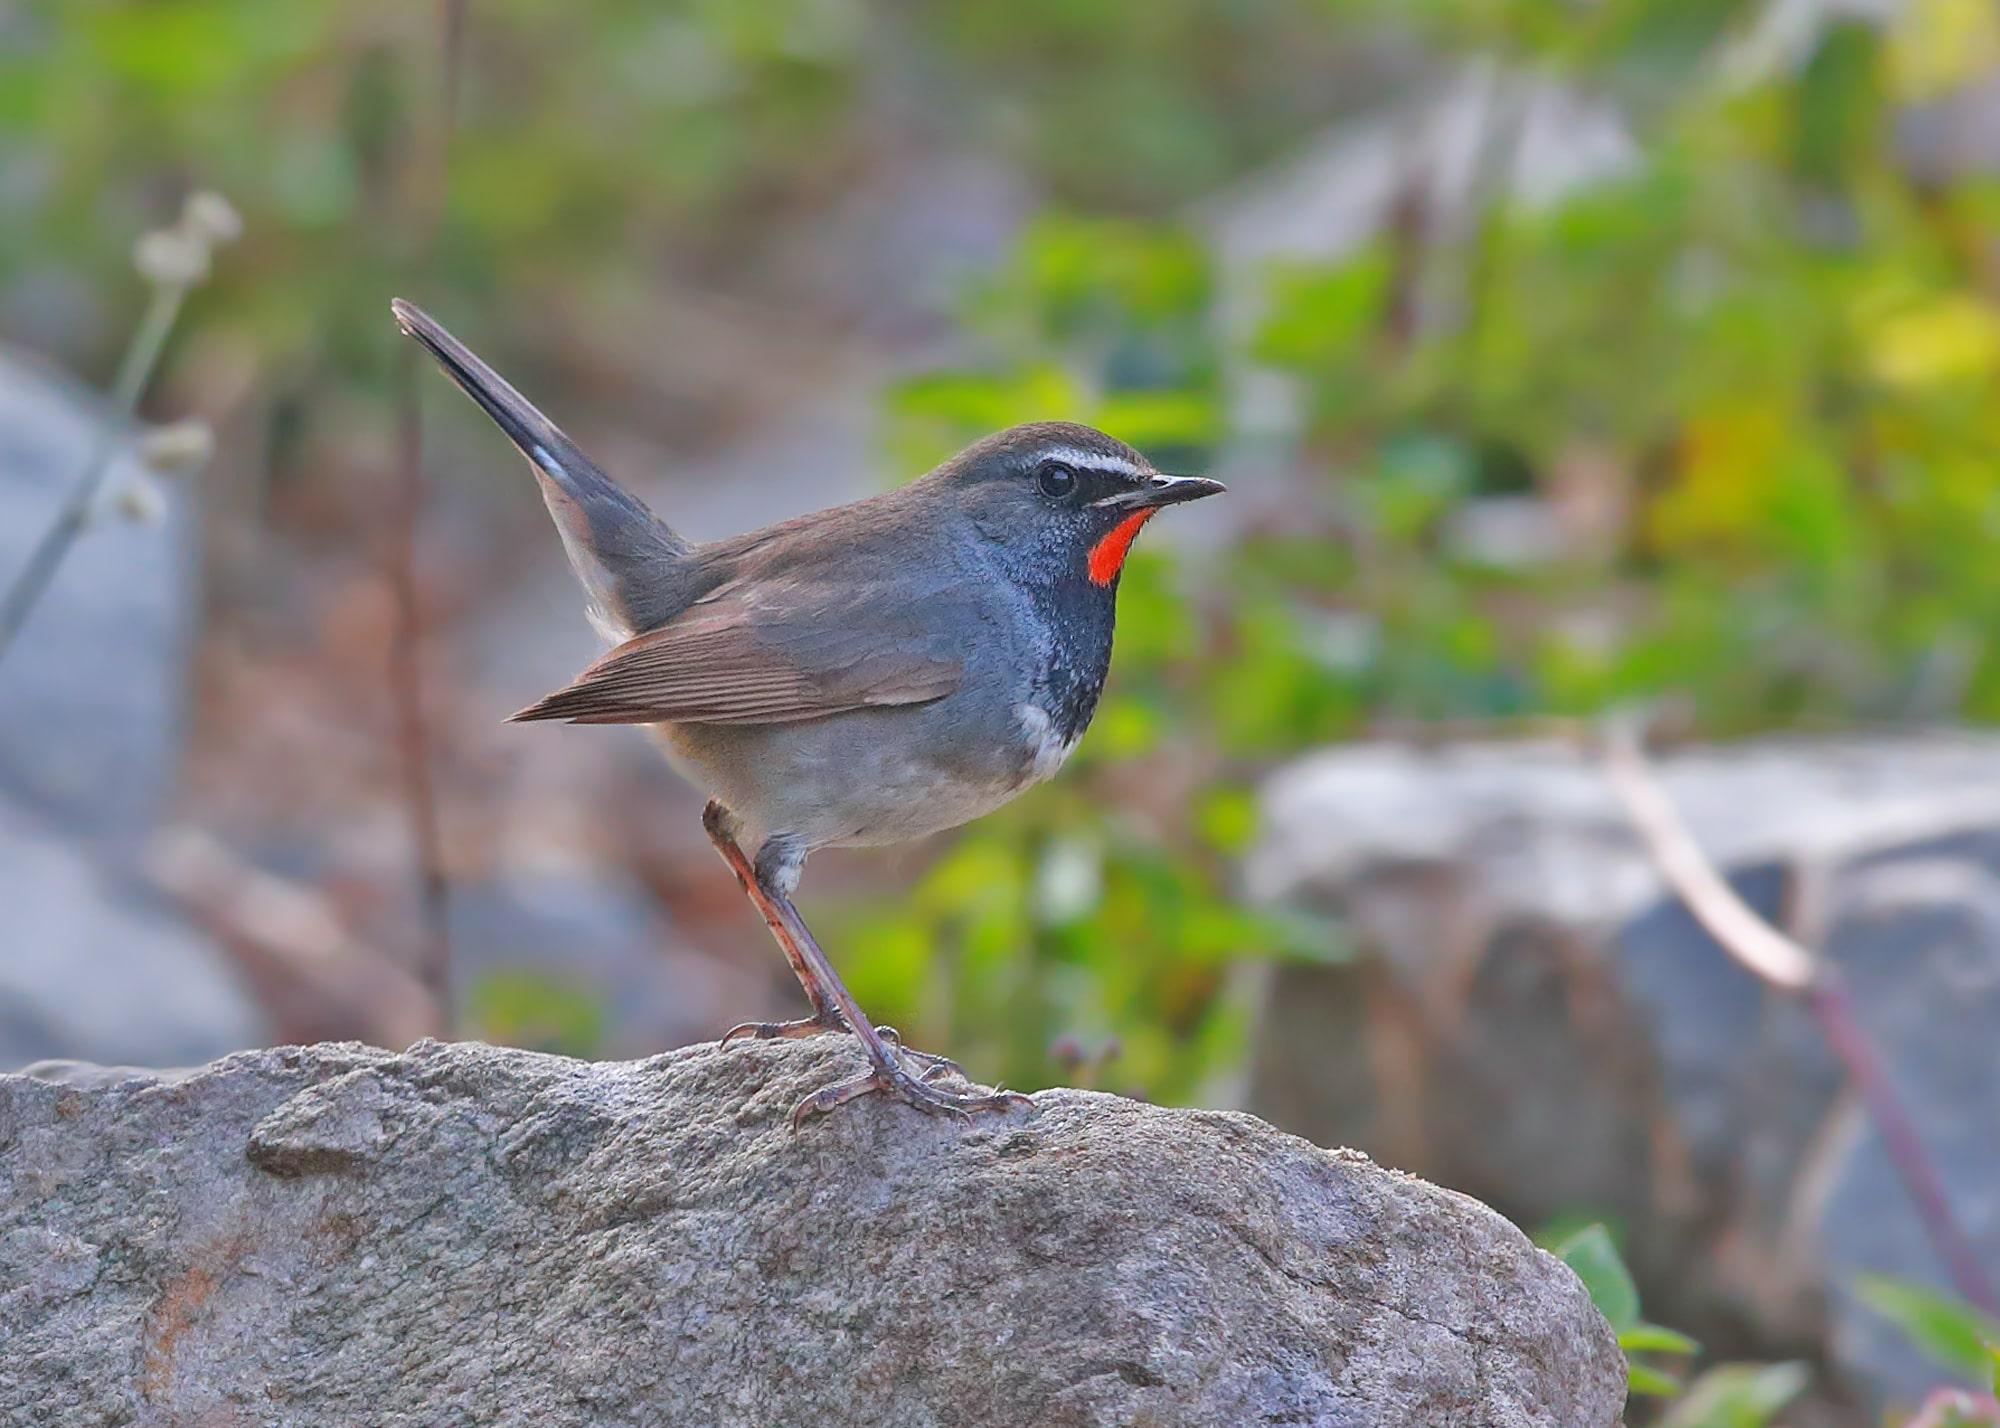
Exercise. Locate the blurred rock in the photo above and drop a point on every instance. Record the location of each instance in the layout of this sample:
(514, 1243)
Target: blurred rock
(92, 719)
(1534, 1023)
(331, 1234)
(605, 942)
(93, 966)
(1462, 138)
(1335, 194)
(91, 716)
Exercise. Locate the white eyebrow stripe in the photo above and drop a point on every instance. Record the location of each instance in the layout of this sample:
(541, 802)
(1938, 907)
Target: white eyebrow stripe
(1091, 460)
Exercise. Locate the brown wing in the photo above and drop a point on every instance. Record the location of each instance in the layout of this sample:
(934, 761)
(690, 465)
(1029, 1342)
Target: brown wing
(758, 658)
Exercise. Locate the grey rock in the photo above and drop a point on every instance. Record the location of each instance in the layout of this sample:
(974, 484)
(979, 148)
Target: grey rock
(1918, 941)
(1538, 1023)
(460, 1235)
(94, 966)
(91, 712)
(1333, 196)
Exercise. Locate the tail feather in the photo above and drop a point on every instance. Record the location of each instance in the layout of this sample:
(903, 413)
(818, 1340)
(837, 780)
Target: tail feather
(613, 540)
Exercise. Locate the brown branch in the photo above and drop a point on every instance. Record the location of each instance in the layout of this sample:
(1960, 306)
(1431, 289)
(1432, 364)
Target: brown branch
(413, 734)
(1781, 962)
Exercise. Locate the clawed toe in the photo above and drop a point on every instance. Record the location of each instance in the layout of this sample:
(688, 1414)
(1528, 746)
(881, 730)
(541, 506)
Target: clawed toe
(774, 1030)
(910, 1090)
(933, 1064)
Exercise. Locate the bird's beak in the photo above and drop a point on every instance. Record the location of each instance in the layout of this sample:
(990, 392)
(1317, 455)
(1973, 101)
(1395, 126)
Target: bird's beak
(1162, 491)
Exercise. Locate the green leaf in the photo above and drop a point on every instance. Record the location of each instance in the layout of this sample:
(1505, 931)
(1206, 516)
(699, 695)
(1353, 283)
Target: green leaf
(1946, 1330)
(1651, 1381)
(1656, 1339)
(535, 1009)
(1737, 1396)
(1590, 1253)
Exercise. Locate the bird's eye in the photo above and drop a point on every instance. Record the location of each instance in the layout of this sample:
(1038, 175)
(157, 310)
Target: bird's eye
(1054, 480)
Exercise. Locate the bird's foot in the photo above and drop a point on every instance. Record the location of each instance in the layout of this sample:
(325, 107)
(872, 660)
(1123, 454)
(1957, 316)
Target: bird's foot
(932, 1064)
(828, 1020)
(910, 1090)
(929, 1064)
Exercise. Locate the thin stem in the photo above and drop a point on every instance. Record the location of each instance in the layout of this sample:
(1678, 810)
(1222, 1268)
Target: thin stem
(1732, 922)
(413, 734)
(413, 737)
(135, 370)
(1833, 1010)
(1781, 962)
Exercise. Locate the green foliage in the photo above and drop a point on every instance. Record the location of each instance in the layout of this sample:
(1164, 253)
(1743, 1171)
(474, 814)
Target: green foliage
(1744, 387)
(1737, 1396)
(1948, 1331)
(1122, 106)
(535, 1010)
(1597, 1263)
(1061, 922)
(1591, 1253)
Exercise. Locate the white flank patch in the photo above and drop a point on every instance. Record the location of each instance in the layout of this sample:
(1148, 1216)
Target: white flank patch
(1047, 748)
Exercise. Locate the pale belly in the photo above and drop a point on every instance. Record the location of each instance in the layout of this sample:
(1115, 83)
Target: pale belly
(867, 778)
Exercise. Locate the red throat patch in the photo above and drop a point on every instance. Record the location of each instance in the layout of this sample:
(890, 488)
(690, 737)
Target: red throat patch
(1107, 557)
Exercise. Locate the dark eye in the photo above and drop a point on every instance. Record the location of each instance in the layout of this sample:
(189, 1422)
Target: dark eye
(1054, 480)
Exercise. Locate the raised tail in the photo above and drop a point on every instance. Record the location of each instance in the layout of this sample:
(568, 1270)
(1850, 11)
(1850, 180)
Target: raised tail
(622, 553)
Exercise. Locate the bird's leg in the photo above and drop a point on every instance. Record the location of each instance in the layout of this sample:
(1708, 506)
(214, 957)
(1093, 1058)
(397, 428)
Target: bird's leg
(766, 883)
(886, 1073)
(715, 821)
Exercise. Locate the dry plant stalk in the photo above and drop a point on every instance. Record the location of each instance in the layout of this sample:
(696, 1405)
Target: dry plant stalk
(1782, 962)
(172, 261)
(405, 670)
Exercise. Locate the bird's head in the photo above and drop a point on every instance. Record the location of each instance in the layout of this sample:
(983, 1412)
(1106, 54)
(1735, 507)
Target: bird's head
(1062, 500)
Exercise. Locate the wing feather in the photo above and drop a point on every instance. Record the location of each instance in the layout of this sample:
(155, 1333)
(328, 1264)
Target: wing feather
(758, 655)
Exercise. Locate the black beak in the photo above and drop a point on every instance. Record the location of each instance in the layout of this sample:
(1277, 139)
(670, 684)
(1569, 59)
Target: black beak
(1162, 491)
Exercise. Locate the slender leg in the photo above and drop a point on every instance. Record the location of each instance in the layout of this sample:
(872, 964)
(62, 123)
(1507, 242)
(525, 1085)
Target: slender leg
(834, 1005)
(886, 1073)
(715, 822)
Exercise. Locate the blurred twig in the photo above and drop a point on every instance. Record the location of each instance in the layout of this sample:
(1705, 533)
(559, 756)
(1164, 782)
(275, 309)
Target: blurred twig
(413, 737)
(1781, 962)
(172, 260)
(314, 980)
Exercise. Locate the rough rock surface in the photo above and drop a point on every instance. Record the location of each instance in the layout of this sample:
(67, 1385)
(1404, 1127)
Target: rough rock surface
(465, 1235)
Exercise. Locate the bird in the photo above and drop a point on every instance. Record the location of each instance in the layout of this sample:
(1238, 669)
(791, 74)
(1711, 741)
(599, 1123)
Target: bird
(864, 675)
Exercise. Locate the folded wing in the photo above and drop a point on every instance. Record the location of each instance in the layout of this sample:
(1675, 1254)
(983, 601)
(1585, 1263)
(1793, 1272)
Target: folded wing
(760, 656)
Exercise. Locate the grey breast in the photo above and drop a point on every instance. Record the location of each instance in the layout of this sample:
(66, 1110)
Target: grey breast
(879, 776)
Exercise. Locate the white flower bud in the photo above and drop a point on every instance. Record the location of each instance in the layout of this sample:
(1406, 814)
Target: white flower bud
(180, 448)
(141, 500)
(209, 215)
(171, 257)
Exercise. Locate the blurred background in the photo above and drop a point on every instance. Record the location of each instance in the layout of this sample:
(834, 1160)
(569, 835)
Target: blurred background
(1562, 357)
